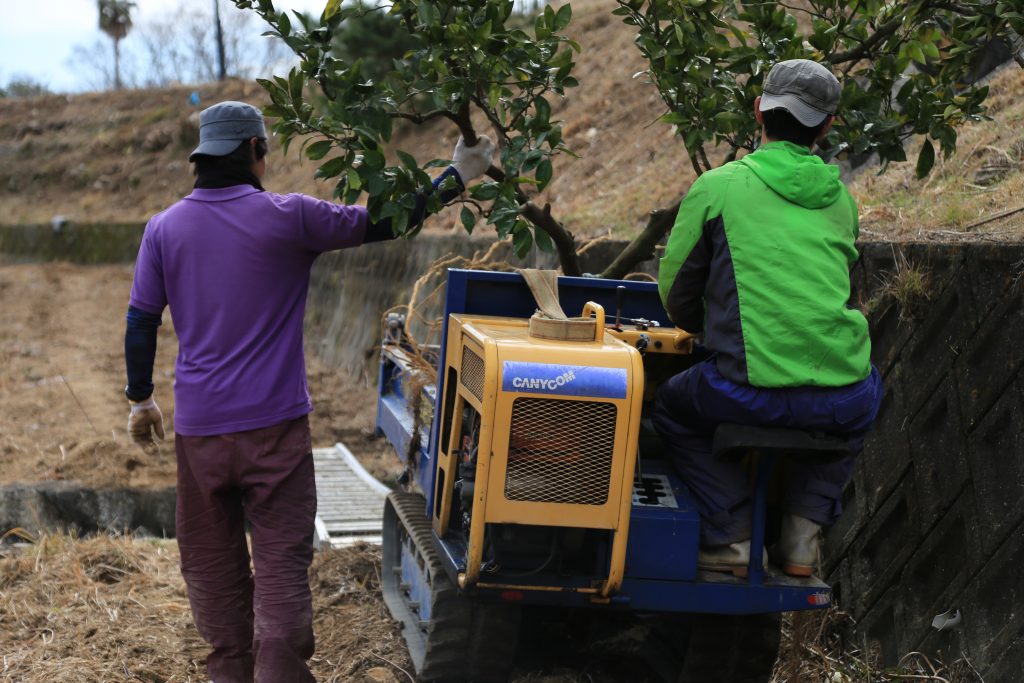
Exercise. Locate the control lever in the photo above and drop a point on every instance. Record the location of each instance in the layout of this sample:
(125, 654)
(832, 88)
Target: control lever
(620, 292)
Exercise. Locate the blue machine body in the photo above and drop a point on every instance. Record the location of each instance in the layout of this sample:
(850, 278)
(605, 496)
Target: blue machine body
(661, 572)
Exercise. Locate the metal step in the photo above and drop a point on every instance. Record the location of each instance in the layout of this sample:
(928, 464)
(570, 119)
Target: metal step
(349, 501)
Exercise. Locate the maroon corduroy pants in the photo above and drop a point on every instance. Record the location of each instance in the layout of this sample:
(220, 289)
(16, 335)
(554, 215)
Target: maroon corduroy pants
(260, 627)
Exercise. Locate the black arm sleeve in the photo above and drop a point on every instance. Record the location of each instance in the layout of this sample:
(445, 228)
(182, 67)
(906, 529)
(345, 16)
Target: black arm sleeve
(381, 230)
(140, 352)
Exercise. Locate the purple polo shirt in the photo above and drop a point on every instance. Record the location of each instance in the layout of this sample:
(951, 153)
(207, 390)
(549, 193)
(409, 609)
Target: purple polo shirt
(233, 265)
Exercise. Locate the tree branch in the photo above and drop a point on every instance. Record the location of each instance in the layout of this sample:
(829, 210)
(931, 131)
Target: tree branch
(862, 50)
(462, 120)
(418, 118)
(565, 243)
(642, 247)
(696, 165)
(704, 158)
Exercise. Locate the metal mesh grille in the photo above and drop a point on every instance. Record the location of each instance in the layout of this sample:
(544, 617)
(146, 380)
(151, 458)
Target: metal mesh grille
(560, 451)
(472, 372)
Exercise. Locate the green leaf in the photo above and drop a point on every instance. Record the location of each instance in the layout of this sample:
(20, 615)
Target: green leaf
(354, 181)
(427, 13)
(541, 27)
(407, 159)
(468, 219)
(562, 17)
(926, 159)
(915, 52)
(330, 168)
(318, 150)
(543, 110)
(522, 239)
(562, 59)
(484, 191)
(331, 9)
(295, 83)
(543, 174)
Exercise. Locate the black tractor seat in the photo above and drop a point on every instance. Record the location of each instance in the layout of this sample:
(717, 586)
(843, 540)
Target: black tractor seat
(735, 441)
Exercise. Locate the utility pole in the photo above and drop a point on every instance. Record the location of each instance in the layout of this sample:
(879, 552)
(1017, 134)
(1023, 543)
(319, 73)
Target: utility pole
(221, 68)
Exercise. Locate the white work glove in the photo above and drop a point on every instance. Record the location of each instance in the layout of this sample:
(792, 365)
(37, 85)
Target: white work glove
(472, 162)
(146, 415)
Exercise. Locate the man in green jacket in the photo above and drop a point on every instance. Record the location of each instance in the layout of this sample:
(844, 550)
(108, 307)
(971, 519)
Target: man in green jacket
(758, 264)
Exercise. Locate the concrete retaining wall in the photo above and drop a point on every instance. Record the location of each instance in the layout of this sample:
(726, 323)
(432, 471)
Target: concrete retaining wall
(77, 243)
(934, 516)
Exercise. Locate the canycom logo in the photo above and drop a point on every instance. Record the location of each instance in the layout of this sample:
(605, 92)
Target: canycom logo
(534, 383)
(568, 380)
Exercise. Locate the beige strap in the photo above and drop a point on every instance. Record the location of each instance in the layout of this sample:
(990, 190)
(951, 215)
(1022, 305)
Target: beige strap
(544, 286)
(551, 322)
(570, 329)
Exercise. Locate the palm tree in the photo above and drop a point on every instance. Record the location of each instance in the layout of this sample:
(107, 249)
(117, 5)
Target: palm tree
(115, 20)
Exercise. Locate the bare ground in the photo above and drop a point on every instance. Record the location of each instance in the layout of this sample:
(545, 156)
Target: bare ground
(63, 414)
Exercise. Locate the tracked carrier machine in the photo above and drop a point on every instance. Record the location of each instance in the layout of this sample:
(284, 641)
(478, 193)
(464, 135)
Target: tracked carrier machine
(534, 481)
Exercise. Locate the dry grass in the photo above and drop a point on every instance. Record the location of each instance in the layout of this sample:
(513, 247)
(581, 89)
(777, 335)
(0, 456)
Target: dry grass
(814, 649)
(908, 285)
(114, 609)
(96, 610)
(975, 194)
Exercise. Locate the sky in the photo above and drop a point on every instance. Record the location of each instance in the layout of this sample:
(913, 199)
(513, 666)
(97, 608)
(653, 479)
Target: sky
(37, 38)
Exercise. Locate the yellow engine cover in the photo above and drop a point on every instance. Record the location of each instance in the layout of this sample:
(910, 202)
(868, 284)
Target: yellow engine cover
(558, 430)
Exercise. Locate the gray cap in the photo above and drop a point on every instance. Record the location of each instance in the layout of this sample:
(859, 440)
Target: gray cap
(226, 124)
(805, 89)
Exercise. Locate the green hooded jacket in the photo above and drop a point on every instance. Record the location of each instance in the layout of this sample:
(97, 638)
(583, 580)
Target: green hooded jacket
(758, 262)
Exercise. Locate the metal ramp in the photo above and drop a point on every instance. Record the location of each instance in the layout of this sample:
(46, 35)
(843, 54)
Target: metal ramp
(349, 501)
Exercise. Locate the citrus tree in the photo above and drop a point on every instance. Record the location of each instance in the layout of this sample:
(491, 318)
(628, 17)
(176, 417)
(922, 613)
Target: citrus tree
(470, 64)
(905, 68)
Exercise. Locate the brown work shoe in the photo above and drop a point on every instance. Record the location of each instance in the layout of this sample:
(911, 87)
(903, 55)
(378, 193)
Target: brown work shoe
(733, 558)
(798, 551)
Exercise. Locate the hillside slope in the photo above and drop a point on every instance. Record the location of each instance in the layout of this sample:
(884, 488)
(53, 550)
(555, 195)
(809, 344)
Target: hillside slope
(104, 157)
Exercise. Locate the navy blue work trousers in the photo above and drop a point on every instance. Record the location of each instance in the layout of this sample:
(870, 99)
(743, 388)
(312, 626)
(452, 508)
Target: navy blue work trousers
(259, 628)
(690, 405)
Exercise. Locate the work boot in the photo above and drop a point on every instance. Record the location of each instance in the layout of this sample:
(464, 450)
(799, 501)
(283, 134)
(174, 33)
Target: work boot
(733, 558)
(799, 548)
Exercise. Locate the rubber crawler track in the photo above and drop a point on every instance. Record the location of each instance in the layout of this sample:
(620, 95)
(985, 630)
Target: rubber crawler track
(465, 640)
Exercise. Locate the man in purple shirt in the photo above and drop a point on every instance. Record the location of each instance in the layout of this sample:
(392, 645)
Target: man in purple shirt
(232, 262)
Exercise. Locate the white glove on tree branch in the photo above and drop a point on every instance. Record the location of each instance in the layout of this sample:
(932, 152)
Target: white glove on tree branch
(472, 162)
(145, 419)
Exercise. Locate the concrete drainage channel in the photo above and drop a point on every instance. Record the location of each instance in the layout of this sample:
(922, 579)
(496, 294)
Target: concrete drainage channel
(350, 503)
(69, 506)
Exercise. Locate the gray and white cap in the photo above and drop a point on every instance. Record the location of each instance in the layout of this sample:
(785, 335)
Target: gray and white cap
(805, 89)
(226, 124)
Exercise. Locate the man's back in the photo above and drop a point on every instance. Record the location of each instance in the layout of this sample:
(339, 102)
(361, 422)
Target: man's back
(233, 264)
(765, 244)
